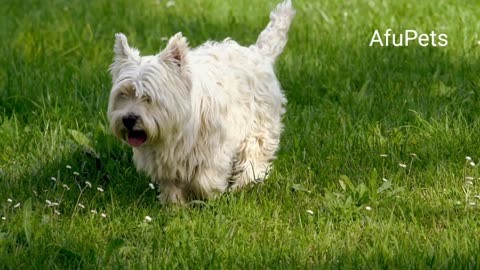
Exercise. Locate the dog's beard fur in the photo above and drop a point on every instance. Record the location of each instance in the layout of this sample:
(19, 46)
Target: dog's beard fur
(205, 120)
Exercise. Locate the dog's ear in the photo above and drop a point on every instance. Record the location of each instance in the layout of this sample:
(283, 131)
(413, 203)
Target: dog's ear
(176, 50)
(123, 55)
(122, 50)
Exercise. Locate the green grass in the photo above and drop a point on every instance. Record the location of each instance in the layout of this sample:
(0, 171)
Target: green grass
(355, 113)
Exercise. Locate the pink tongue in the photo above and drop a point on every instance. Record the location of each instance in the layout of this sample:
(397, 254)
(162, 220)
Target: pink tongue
(136, 141)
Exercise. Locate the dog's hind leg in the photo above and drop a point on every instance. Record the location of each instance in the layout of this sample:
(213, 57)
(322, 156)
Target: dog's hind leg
(252, 163)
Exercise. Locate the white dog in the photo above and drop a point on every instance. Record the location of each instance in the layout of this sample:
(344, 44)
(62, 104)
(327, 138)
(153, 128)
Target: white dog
(205, 120)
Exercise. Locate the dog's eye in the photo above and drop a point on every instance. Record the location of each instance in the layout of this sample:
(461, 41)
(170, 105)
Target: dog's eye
(147, 99)
(123, 95)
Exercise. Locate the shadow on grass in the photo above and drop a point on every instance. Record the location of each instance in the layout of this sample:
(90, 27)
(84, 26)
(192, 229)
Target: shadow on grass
(84, 180)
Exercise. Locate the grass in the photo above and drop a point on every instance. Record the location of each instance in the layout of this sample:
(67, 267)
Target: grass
(372, 170)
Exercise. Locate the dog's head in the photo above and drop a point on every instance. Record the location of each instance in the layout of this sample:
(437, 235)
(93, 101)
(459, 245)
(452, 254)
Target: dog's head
(150, 97)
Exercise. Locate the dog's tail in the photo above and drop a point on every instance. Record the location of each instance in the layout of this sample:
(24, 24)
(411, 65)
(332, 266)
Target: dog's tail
(273, 38)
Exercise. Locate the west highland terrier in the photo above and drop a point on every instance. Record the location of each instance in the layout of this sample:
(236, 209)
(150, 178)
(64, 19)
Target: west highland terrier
(201, 121)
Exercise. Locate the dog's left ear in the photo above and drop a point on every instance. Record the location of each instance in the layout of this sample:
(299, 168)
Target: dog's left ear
(176, 50)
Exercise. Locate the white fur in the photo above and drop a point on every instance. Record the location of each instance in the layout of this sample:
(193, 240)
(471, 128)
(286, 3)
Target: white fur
(211, 115)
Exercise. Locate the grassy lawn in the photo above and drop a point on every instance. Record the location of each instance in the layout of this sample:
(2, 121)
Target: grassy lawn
(372, 170)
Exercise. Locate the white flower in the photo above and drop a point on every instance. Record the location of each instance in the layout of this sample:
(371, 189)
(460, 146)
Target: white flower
(53, 179)
(472, 163)
(93, 211)
(81, 206)
(472, 203)
(170, 4)
(469, 178)
(368, 208)
(310, 212)
(66, 187)
(51, 204)
(469, 182)
(9, 200)
(148, 219)
(57, 212)
(468, 158)
(103, 215)
(4, 218)
(16, 205)
(384, 179)
(68, 167)
(100, 189)
(76, 173)
(402, 165)
(151, 186)
(89, 185)
(383, 155)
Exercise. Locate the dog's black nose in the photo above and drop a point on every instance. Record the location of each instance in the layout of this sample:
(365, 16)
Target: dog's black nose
(129, 121)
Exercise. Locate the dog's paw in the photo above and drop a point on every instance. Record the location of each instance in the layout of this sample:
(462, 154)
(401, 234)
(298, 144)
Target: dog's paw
(172, 195)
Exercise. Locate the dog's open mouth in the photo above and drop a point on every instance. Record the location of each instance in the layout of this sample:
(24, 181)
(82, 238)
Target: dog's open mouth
(136, 137)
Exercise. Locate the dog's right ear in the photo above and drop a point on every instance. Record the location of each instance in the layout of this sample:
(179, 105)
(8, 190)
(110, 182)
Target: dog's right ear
(122, 50)
(123, 55)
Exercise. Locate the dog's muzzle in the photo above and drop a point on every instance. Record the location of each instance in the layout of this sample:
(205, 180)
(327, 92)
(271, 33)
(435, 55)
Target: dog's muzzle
(129, 121)
(134, 137)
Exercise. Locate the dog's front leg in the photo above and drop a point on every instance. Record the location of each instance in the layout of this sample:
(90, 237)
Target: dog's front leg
(209, 182)
(172, 192)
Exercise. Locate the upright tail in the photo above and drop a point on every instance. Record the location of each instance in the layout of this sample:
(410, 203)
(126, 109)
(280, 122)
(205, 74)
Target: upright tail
(273, 38)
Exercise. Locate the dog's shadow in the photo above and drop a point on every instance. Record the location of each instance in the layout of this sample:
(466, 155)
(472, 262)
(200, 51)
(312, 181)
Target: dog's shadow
(88, 181)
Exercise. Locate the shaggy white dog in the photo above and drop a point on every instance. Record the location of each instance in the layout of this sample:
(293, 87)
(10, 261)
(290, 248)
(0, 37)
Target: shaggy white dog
(205, 120)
